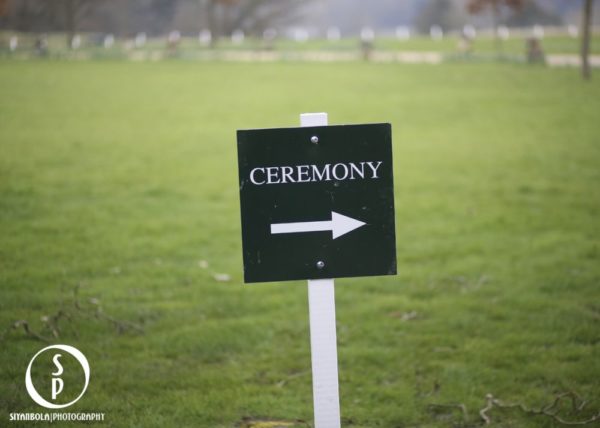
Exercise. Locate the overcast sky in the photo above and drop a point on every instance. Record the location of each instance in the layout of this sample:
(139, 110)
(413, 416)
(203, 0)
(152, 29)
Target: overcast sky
(351, 15)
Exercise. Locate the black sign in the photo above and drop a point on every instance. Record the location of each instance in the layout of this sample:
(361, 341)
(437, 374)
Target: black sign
(317, 202)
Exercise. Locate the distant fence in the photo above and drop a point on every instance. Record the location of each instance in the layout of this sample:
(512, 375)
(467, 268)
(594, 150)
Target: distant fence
(399, 47)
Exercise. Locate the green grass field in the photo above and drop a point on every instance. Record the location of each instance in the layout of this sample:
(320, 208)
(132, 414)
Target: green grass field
(118, 182)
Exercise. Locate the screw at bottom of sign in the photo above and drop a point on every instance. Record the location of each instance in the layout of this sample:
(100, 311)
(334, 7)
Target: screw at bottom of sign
(320, 264)
(314, 139)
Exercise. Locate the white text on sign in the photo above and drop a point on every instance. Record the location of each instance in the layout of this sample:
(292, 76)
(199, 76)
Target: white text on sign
(314, 173)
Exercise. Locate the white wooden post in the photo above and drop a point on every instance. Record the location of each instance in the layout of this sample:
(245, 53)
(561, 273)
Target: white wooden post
(323, 346)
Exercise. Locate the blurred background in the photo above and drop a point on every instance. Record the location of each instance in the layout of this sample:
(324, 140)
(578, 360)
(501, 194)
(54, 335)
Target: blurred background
(321, 30)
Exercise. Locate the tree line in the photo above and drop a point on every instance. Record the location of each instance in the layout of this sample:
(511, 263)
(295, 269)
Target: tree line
(154, 17)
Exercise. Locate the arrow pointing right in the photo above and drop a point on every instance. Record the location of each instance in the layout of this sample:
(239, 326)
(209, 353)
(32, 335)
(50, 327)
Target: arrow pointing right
(339, 225)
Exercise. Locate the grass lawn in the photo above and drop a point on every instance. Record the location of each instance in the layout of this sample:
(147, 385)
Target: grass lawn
(119, 180)
(483, 47)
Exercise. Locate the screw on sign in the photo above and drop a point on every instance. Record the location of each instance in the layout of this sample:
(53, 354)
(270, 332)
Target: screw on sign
(317, 203)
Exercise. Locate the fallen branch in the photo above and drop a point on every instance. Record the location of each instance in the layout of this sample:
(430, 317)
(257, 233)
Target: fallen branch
(577, 405)
(248, 422)
(99, 313)
(51, 322)
(28, 331)
(459, 406)
(120, 325)
(282, 382)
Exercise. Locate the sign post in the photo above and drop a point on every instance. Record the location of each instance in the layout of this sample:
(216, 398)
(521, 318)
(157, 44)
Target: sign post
(323, 339)
(317, 203)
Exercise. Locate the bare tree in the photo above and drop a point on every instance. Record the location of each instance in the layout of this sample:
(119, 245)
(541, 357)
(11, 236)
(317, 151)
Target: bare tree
(3, 8)
(256, 16)
(495, 6)
(75, 11)
(126, 17)
(214, 11)
(71, 13)
(443, 13)
(250, 16)
(585, 39)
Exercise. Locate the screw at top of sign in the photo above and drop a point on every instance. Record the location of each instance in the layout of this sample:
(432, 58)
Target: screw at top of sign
(320, 264)
(314, 139)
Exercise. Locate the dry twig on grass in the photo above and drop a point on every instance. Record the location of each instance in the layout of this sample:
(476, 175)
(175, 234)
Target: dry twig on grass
(93, 310)
(456, 406)
(51, 322)
(28, 331)
(98, 313)
(282, 382)
(248, 422)
(577, 404)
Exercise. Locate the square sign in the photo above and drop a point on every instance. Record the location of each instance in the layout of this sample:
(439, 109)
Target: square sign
(317, 202)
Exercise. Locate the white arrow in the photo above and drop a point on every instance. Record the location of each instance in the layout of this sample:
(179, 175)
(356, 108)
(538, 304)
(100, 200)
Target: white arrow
(339, 225)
